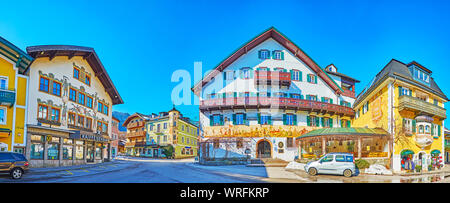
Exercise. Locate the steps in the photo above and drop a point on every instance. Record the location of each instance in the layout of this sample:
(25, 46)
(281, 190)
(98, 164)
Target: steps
(267, 162)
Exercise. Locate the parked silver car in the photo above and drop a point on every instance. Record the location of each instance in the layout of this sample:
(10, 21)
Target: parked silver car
(333, 163)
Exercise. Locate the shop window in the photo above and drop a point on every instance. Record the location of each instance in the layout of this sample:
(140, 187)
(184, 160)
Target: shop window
(53, 151)
(67, 149)
(37, 147)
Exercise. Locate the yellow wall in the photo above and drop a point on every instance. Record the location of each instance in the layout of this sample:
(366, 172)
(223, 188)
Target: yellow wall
(7, 69)
(401, 142)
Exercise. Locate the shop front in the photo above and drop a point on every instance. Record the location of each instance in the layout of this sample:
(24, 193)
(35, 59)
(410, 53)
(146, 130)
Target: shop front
(363, 143)
(96, 146)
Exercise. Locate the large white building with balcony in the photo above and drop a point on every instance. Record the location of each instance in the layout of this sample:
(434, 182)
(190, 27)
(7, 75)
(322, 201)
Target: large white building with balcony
(267, 93)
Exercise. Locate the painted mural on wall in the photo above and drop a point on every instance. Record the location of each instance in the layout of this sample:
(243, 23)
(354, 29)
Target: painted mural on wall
(72, 107)
(255, 131)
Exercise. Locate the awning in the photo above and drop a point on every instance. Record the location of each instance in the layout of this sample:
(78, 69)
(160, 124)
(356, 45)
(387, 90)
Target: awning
(345, 131)
(437, 152)
(406, 152)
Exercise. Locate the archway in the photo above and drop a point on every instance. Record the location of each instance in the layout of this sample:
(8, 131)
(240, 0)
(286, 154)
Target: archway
(263, 149)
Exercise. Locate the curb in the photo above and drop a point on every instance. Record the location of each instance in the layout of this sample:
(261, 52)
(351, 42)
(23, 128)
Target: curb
(64, 168)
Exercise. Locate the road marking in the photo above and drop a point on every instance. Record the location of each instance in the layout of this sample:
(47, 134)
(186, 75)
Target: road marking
(69, 172)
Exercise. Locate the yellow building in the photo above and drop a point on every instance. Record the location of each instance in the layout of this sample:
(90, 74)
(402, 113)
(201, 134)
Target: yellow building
(404, 100)
(13, 95)
(149, 135)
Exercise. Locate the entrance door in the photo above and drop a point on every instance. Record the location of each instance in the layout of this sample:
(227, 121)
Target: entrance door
(264, 149)
(90, 154)
(155, 152)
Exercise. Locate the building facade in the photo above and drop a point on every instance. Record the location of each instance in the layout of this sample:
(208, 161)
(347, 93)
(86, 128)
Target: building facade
(447, 145)
(115, 137)
(404, 100)
(69, 105)
(150, 136)
(268, 92)
(13, 97)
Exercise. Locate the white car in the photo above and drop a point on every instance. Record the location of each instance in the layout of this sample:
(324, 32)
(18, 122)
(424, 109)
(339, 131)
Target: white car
(333, 163)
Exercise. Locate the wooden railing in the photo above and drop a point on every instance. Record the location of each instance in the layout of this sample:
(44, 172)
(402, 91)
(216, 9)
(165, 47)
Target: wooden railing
(136, 134)
(275, 102)
(136, 124)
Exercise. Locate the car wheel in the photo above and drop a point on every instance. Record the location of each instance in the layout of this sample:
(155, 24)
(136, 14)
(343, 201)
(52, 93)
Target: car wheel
(312, 171)
(347, 173)
(16, 173)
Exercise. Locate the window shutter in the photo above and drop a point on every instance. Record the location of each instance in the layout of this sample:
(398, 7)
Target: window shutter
(284, 119)
(273, 55)
(259, 54)
(270, 120)
(235, 94)
(241, 74)
(292, 74)
(322, 99)
(295, 119)
(245, 119)
(224, 95)
(317, 121)
(348, 124)
(259, 118)
(301, 96)
(331, 101)
(322, 121)
(315, 79)
(414, 126)
(331, 122)
(308, 120)
(234, 119)
(432, 129)
(221, 119)
(300, 77)
(251, 73)
(211, 120)
(282, 55)
(439, 130)
(308, 78)
(399, 90)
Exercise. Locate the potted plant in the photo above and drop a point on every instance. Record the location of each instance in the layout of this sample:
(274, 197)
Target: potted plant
(430, 167)
(418, 168)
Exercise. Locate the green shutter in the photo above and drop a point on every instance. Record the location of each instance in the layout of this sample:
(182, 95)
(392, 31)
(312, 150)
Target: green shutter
(308, 78)
(331, 101)
(439, 130)
(292, 74)
(221, 119)
(308, 121)
(211, 120)
(259, 118)
(251, 73)
(399, 90)
(317, 121)
(301, 96)
(331, 122)
(259, 54)
(284, 119)
(245, 119)
(270, 120)
(295, 119)
(348, 124)
(414, 126)
(282, 55)
(235, 94)
(322, 122)
(315, 79)
(234, 119)
(432, 129)
(322, 99)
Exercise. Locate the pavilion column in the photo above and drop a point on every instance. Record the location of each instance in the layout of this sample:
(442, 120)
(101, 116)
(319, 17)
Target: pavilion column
(324, 147)
(359, 147)
(300, 150)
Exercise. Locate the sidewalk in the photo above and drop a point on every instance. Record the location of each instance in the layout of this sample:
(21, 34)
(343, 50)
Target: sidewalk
(64, 168)
(446, 169)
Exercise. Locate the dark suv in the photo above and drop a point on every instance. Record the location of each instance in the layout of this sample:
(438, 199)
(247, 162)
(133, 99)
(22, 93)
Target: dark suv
(13, 163)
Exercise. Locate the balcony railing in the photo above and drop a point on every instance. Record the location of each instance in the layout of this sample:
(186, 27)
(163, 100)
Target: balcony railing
(139, 144)
(272, 78)
(136, 124)
(137, 134)
(275, 102)
(7, 97)
(417, 105)
(348, 93)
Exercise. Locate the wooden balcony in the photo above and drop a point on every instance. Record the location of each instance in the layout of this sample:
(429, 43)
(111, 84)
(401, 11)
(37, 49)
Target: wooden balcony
(348, 93)
(275, 102)
(136, 124)
(137, 134)
(272, 78)
(139, 144)
(7, 97)
(420, 107)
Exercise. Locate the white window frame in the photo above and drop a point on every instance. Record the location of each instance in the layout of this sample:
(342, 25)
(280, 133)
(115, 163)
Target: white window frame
(5, 115)
(6, 81)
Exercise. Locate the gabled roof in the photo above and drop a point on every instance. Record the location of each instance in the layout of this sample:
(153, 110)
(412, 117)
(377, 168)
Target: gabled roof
(401, 72)
(284, 41)
(15, 54)
(88, 54)
(144, 117)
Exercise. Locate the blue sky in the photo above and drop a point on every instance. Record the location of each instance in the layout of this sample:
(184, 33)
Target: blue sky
(141, 43)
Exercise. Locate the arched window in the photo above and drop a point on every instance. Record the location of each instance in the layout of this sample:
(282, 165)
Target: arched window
(420, 128)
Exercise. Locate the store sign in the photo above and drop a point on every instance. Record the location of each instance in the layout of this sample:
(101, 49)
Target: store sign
(376, 109)
(93, 137)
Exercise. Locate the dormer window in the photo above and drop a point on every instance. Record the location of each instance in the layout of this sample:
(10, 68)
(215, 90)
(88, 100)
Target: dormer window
(264, 54)
(420, 75)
